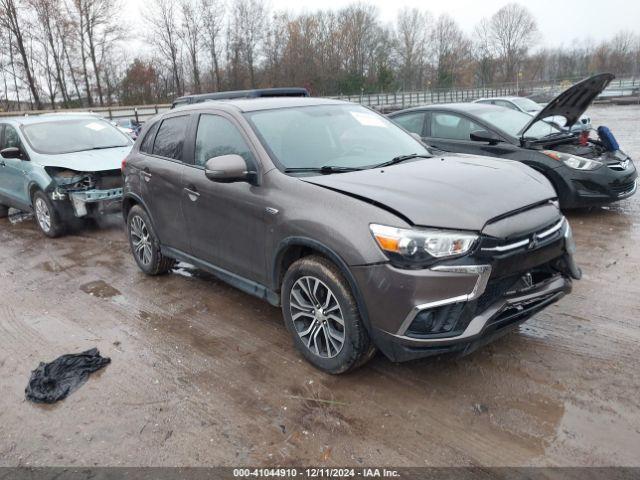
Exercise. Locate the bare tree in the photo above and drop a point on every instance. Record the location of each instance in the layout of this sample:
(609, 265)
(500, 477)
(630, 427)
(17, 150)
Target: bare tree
(411, 41)
(190, 33)
(48, 13)
(212, 13)
(451, 51)
(13, 22)
(164, 35)
(513, 30)
(249, 18)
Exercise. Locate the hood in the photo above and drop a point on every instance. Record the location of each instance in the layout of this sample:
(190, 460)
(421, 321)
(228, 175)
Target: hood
(460, 192)
(574, 101)
(86, 161)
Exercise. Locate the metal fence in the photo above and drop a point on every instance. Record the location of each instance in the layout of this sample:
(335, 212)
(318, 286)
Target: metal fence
(540, 91)
(386, 102)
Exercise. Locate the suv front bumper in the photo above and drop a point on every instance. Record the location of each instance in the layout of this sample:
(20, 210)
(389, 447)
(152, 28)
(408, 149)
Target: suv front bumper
(469, 304)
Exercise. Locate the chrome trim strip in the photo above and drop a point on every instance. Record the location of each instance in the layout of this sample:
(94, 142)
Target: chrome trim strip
(476, 326)
(551, 230)
(521, 243)
(511, 246)
(483, 272)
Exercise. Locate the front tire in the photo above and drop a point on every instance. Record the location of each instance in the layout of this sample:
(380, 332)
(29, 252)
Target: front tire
(47, 217)
(322, 315)
(145, 245)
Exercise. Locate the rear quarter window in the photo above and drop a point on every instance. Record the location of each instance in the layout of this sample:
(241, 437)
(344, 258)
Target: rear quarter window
(147, 142)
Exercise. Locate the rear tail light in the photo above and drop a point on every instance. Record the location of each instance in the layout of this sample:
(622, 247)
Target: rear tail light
(124, 164)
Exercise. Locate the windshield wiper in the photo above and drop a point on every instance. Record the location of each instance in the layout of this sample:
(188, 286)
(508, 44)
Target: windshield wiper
(401, 158)
(108, 146)
(325, 169)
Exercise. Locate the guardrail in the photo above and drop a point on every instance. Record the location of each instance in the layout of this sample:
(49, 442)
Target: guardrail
(384, 102)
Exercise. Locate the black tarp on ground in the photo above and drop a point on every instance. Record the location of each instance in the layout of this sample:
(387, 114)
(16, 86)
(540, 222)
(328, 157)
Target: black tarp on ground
(54, 381)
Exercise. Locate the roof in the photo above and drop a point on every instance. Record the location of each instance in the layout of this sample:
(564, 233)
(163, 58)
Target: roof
(262, 103)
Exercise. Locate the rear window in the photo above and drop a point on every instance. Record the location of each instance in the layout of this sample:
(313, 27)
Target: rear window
(170, 137)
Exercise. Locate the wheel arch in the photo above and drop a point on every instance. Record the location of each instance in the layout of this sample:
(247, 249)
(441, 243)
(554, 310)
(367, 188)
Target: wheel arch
(294, 248)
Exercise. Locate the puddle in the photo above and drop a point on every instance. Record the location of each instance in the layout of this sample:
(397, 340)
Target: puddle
(100, 289)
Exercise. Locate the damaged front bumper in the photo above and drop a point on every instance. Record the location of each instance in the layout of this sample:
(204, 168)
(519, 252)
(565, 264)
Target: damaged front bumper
(457, 307)
(102, 201)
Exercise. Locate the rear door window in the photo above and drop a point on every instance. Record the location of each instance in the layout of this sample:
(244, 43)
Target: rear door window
(169, 141)
(412, 122)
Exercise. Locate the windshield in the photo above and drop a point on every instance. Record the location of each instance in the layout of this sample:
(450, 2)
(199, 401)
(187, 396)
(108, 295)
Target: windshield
(67, 136)
(348, 136)
(527, 105)
(512, 122)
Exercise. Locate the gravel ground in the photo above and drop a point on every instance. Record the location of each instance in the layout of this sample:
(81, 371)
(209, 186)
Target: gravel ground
(203, 374)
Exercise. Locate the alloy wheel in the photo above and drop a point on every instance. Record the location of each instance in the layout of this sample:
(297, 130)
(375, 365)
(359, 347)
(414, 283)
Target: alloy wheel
(43, 215)
(140, 240)
(317, 317)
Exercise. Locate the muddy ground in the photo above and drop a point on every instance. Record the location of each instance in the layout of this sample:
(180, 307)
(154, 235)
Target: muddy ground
(203, 374)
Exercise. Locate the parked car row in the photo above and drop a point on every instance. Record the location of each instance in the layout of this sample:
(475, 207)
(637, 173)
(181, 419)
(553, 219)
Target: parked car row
(366, 237)
(584, 170)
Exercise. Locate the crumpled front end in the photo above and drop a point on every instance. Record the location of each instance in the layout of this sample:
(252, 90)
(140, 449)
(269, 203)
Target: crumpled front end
(86, 193)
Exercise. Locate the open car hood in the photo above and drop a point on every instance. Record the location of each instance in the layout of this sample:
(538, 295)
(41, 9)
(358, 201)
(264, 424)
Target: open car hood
(574, 101)
(461, 192)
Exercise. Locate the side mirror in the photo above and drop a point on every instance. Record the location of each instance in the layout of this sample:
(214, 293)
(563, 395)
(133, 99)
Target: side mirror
(227, 168)
(11, 152)
(485, 136)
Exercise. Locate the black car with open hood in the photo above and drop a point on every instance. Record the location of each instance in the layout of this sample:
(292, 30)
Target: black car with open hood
(586, 169)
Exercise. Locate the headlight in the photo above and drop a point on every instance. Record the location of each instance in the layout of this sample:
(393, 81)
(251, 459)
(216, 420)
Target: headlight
(417, 246)
(571, 161)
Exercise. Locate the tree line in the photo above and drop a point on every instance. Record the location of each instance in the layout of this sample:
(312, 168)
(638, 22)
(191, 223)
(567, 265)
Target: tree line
(70, 53)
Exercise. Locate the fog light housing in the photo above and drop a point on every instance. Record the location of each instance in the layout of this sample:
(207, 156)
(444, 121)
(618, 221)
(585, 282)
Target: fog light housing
(447, 320)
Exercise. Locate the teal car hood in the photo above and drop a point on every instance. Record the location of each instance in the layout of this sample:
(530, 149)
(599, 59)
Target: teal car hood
(85, 161)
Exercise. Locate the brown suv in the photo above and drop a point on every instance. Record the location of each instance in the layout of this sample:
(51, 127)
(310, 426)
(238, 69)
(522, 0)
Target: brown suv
(359, 233)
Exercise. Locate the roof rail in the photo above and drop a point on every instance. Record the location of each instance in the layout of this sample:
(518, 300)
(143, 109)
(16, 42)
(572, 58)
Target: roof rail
(255, 93)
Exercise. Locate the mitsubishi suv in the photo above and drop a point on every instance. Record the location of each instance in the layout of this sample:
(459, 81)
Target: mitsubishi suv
(364, 238)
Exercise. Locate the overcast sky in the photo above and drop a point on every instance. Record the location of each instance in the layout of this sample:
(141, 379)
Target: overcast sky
(561, 22)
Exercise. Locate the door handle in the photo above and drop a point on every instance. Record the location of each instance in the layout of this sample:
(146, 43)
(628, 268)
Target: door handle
(192, 192)
(146, 174)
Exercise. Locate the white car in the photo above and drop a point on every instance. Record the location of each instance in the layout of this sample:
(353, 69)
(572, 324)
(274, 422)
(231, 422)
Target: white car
(526, 105)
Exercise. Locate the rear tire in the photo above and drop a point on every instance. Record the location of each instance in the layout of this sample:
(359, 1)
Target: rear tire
(145, 245)
(322, 315)
(47, 217)
(4, 211)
